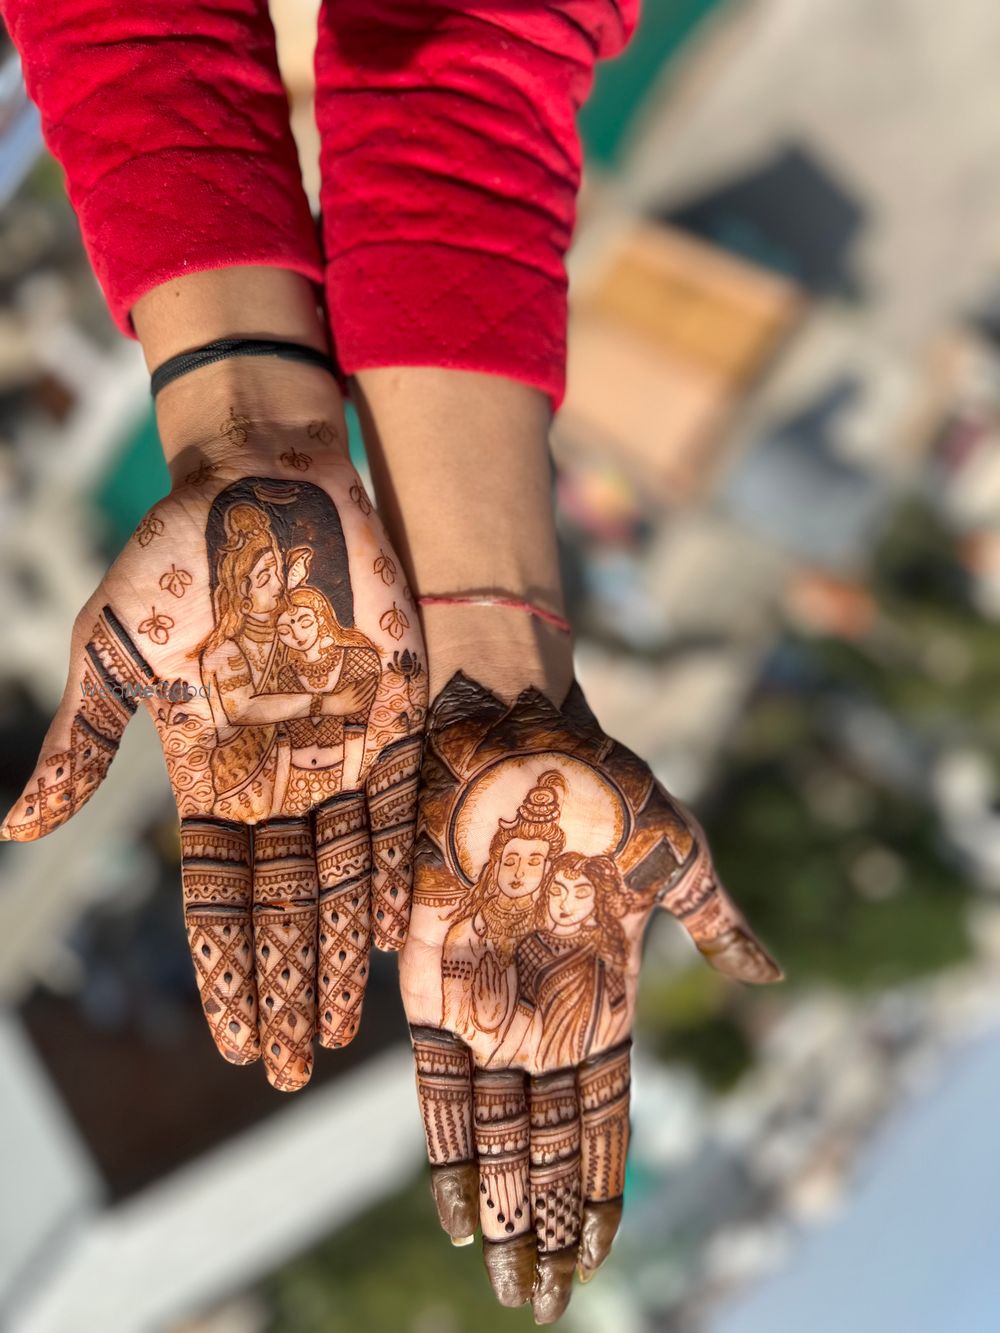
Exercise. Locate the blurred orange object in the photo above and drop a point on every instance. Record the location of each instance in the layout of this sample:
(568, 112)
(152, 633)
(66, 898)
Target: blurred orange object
(666, 336)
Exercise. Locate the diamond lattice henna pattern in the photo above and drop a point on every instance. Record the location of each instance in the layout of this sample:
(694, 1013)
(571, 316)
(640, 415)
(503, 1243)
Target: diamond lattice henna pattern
(218, 892)
(343, 860)
(285, 938)
(392, 796)
(555, 1161)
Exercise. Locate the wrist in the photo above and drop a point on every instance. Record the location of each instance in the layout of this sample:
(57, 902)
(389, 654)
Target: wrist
(504, 650)
(240, 414)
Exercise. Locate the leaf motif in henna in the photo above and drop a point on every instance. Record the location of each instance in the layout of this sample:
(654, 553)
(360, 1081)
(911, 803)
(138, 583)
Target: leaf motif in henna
(322, 432)
(394, 622)
(150, 527)
(156, 626)
(202, 473)
(385, 568)
(357, 494)
(175, 581)
(300, 462)
(235, 428)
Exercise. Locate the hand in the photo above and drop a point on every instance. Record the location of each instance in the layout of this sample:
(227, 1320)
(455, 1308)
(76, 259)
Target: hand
(349, 698)
(287, 876)
(549, 845)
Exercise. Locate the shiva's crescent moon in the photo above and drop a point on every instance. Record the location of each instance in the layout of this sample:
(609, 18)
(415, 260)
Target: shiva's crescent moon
(593, 813)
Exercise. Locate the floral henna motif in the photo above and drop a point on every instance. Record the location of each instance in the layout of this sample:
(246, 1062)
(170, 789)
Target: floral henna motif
(322, 432)
(385, 568)
(357, 494)
(151, 526)
(156, 626)
(300, 462)
(235, 428)
(175, 581)
(394, 622)
(202, 473)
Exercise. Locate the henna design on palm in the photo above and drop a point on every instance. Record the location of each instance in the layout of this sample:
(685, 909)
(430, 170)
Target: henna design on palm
(543, 848)
(291, 725)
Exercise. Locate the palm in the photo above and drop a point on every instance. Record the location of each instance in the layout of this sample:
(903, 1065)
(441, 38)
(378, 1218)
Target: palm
(544, 848)
(262, 622)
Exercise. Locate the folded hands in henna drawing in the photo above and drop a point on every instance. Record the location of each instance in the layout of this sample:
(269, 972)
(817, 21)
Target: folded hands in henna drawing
(246, 618)
(543, 848)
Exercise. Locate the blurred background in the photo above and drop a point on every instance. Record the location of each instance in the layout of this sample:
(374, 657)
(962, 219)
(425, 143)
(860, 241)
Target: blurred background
(780, 506)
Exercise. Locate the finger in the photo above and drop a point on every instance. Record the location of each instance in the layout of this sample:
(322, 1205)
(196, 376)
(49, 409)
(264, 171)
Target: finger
(604, 1084)
(554, 1171)
(285, 930)
(344, 866)
(501, 1125)
(718, 928)
(106, 669)
(391, 790)
(218, 891)
(444, 1091)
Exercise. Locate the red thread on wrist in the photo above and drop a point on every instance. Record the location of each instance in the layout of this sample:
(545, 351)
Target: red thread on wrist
(506, 603)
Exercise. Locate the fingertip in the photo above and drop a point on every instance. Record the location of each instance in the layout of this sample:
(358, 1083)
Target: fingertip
(598, 1228)
(738, 954)
(233, 1055)
(510, 1265)
(335, 1039)
(290, 1077)
(456, 1196)
(553, 1286)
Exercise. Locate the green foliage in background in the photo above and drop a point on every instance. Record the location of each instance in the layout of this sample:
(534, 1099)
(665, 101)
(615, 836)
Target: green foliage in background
(391, 1271)
(831, 842)
(622, 85)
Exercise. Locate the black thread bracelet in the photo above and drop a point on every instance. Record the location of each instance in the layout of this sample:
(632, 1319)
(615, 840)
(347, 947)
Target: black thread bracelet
(224, 348)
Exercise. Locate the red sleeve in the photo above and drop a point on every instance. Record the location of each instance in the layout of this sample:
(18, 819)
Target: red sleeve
(450, 171)
(171, 124)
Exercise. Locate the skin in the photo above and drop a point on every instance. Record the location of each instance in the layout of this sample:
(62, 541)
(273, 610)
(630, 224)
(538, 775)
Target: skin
(462, 474)
(571, 903)
(521, 867)
(218, 425)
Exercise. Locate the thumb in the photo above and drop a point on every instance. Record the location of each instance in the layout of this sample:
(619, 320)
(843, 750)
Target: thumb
(720, 931)
(97, 703)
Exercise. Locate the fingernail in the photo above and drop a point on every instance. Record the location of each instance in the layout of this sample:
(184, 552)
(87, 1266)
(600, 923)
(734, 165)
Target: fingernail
(459, 1241)
(456, 1194)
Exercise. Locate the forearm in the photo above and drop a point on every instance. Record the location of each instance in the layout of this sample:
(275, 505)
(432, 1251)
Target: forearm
(171, 124)
(461, 468)
(193, 411)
